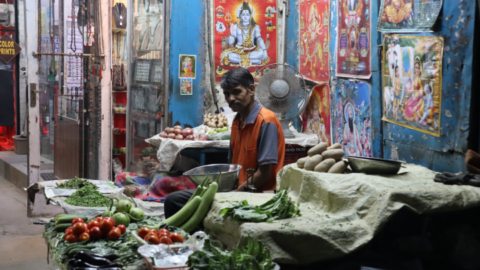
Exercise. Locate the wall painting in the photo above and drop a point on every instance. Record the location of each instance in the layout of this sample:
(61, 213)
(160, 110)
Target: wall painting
(408, 15)
(316, 118)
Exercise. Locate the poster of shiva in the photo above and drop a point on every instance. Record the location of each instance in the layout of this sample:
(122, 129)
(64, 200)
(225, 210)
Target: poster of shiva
(245, 35)
(354, 39)
(314, 43)
(316, 118)
(352, 118)
(412, 82)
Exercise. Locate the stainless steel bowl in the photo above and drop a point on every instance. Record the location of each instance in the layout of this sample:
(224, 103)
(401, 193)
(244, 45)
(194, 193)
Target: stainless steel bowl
(228, 180)
(374, 165)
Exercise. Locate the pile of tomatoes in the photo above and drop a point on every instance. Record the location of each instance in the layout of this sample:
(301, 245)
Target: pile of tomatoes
(162, 236)
(95, 229)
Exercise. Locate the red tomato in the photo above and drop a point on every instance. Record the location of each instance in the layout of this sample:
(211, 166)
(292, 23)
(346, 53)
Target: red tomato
(114, 234)
(69, 230)
(111, 220)
(71, 238)
(143, 232)
(84, 237)
(122, 228)
(79, 228)
(152, 238)
(106, 225)
(93, 223)
(67, 234)
(99, 219)
(176, 238)
(77, 220)
(163, 232)
(95, 233)
(165, 240)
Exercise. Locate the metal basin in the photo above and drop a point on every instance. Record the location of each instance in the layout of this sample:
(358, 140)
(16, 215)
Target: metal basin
(228, 180)
(374, 165)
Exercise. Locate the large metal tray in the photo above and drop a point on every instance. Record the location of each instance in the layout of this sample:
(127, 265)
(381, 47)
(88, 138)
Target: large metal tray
(374, 165)
(228, 180)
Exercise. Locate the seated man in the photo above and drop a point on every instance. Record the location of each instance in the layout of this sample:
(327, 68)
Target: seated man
(257, 140)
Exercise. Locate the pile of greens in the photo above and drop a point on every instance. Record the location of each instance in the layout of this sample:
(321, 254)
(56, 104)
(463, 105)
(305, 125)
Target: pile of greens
(88, 196)
(252, 256)
(75, 183)
(125, 247)
(279, 207)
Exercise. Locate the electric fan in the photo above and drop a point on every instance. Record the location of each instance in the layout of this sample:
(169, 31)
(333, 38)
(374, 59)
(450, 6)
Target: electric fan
(282, 90)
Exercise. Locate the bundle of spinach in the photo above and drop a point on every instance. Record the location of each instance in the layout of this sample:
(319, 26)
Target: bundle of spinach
(75, 183)
(252, 256)
(88, 196)
(279, 207)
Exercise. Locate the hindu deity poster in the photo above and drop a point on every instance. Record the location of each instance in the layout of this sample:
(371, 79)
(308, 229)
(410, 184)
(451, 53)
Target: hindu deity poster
(354, 39)
(186, 87)
(187, 66)
(245, 35)
(352, 118)
(314, 35)
(316, 118)
(412, 82)
(408, 15)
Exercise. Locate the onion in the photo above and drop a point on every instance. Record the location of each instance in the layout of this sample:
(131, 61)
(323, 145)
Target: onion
(177, 126)
(177, 131)
(171, 135)
(163, 134)
(186, 132)
(169, 130)
(202, 137)
(179, 137)
(190, 137)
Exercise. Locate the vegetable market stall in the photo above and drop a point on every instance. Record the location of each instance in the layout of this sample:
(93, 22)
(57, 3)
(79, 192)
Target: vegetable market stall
(340, 212)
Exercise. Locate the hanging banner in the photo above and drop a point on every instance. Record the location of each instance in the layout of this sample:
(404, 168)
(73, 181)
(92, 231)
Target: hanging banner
(314, 44)
(245, 35)
(354, 39)
(412, 82)
(408, 15)
(316, 118)
(352, 118)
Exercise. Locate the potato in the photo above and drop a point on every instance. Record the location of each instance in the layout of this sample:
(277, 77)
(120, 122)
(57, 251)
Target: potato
(301, 162)
(335, 146)
(312, 162)
(317, 149)
(336, 154)
(338, 167)
(325, 165)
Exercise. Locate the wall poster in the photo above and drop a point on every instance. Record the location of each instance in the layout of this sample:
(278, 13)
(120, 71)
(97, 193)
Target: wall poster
(314, 43)
(316, 118)
(187, 66)
(186, 87)
(352, 118)
(408, 15)
(354, 39)
(412, 82)
(245, 35)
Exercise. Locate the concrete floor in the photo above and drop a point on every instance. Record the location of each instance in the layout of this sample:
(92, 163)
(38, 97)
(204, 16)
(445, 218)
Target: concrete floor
(21, 243)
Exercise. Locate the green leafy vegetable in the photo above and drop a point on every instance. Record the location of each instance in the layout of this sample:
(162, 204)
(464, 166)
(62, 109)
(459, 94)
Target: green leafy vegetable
(89, 197)
(252, 256)
(279, 207)
(75, 183)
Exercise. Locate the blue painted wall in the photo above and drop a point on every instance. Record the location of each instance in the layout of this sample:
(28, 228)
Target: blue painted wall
(187, 34)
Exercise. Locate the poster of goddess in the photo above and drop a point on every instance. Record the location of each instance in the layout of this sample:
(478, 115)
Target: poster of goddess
(352, 118)
(245, 35)
(412, 82)
(353, 39)
(408, 15)
(316, 118)
(314, 43)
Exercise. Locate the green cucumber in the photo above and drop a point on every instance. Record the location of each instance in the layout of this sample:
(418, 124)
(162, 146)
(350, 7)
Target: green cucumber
(198, 191)
(64, 218)
(202, 209)
(186, 212)
(61, 227)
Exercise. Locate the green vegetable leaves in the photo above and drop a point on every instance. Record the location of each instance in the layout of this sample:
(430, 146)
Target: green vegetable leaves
(252, 256)
(75, 183)
(89, 197)
(279, 207)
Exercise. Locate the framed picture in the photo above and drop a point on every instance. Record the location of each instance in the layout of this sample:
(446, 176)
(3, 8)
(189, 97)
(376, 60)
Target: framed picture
(187, 66)
(142, 71)
(186, 87)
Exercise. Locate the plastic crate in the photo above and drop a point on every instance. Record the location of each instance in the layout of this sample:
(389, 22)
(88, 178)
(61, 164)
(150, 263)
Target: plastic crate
(294, 152)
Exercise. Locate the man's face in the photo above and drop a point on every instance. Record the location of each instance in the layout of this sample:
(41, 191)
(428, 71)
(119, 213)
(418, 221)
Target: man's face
(238, 97)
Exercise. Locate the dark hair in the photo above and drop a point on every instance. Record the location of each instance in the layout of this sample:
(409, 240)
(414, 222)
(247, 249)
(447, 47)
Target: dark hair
(236, 77)
(246, 6)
